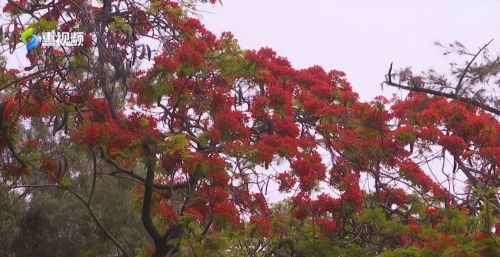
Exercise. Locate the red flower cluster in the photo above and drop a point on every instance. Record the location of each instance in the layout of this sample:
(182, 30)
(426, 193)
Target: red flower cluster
(213, 195)
(452, 143)
(262, 225)
(167, 212)
(286, 181)
(396, 196)
(226, 212)
(36, 106)
(302, 205)
(10, 7)
(217, 171)
(109, 134)
(412, 172)
(309, 169)
(98, 110)
(352, 193)
(270, 145)
(166, 64)
(415, 228)
(221, 105)
(195, 213)
(326, 204)
(327, 225)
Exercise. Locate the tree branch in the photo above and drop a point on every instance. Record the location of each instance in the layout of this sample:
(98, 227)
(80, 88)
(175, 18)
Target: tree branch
(92, 213)
(130, 173)
(94, 178)
(447, 95)
(459, 84)
(147, 205)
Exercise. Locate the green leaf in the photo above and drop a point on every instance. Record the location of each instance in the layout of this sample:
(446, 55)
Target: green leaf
(65, 181)
(202, 169)
(143, 122)
(164, 87)
(401, 252)
(149, 93)
(176, 143)
(46, 25)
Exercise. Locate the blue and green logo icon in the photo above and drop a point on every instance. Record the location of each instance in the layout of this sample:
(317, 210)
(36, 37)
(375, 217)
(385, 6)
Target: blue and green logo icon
(30, 39)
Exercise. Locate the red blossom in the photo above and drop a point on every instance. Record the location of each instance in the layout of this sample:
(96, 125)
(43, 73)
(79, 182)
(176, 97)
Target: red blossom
(195, 213)
(354, 196)
(403, 239)
(226, 212)
(286, 181)
(414, 173)
(10, 7)
(302, 205)
(167, 212)
(480, 235)
(415, 228)
(394, 196)
(49, 166)
(430, 211)
(262, 225)
(17, 170)
(33, 144)
(452, 143)
(280, 113)
(327, 225)
(214, 195)
(326, 204)
(309, 169)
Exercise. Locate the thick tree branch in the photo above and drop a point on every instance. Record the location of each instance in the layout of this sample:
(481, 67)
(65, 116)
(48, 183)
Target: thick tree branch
(447, 95)
(94, 178)
(147, 203)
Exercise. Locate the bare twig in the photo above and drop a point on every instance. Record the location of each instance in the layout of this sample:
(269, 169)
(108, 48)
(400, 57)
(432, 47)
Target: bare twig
(459, 84)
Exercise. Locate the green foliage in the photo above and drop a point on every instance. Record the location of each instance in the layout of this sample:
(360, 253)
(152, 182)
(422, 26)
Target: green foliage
(402, 252)
(46, 25)
(379, 218)
(52, 223)
(152, 91)
(176, 143)
(406, 138)
(202, 169)
(326, 248)
(120, 24)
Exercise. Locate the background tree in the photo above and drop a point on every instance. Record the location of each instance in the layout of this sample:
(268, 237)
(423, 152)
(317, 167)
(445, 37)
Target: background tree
(54, 222)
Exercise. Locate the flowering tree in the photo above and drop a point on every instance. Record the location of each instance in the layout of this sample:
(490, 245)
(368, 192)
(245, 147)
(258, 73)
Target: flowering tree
(205, 128)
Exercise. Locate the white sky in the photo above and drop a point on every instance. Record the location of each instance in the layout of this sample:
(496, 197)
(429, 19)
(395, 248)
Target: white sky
(359, 37)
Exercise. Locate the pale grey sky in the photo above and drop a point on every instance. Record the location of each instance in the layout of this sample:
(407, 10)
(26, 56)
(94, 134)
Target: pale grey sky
(360, 37)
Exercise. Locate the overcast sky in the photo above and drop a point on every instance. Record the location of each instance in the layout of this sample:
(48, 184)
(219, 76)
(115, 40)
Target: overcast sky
(359, 37)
